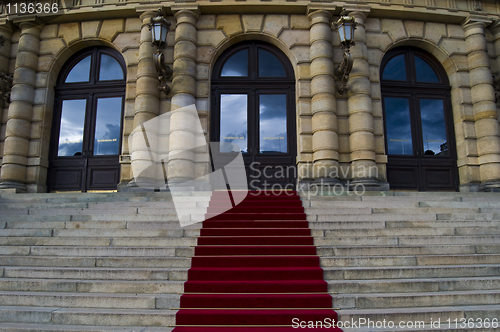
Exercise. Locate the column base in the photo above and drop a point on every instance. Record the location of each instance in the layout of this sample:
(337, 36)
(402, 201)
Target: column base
(368, 184)
(132, 186)
(469, 188)
(490, 186)
(19, 187)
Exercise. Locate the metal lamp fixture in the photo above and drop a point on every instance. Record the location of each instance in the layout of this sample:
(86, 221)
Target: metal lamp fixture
(345, 27)
(159, 27)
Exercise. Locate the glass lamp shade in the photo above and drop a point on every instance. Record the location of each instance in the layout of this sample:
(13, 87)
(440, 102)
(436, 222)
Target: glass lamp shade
(159, 31)
(345, 27)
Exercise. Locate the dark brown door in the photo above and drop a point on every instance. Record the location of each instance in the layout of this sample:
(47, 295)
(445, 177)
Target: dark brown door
(418, 122)
(86, 139)
(253, 102)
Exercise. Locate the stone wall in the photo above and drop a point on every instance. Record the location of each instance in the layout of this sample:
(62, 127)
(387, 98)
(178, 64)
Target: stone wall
(333, 129)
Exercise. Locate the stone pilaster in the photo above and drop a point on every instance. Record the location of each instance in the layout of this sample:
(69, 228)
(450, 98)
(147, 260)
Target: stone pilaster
(17, 136)
(483, 104)
(147, 101)
(323, 104)
(181, 166)
(361, 125)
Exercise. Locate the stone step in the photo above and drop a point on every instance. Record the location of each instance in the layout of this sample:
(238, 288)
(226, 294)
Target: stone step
(347, 224)
(25, 232)
(88, 316)
(124, 233)
(103, 218)
(469, 216)
(95, 273)
(374, 217)
(90, 300)
(399, 260)
(399, 250)
(437, 210)
(16, 327)
(382, 232)
(441, 223)
(335, 204)
(42, 205)
(64, 224)
(411, 272)
(99, 241)
(58, 241)
(70, 251)
(473, 240)
(421, 314)
(92, 286)
(412, 300)
(482, 203)
(119, 262)
(413, 285)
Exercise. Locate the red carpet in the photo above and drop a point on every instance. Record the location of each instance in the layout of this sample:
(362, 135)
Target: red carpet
(255, 269)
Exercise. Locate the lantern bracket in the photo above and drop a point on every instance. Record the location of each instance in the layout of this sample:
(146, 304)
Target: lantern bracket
(160, 24)
(345, 27)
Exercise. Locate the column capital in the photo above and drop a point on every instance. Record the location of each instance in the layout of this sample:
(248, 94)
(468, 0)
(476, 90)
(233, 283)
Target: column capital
(495, 27)
(475, 21)
(6, 29)
(186, 10)
(358, 11)
(320, 16)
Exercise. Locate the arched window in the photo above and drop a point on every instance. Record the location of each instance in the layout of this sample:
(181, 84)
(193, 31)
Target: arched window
(87, 126)
(253, 90)
(418, 122)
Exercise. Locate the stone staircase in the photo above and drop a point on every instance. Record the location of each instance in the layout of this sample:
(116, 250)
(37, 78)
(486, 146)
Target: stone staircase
(92, 262)
(118, 261)
(411, 257)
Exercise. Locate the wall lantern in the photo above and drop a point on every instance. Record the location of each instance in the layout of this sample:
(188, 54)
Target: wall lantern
(5, 80)
(345, 27)
(159, 27)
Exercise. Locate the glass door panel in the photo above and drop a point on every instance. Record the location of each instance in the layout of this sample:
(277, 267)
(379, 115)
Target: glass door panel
(234, 121)
(433, 127)
(272, 124)
(397, 117)
(71, 128)
(107, 126)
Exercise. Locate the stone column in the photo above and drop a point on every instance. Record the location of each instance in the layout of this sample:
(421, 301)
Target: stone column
(361, 126)
(147, 104)
(495, 28)
(6, 33)
(483, 104)
(181, 166)
(17, 136)
(323, 103)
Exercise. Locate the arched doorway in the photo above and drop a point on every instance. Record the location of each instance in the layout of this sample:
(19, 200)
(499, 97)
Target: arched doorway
(87, 123)
(419, 135)
(253, 103)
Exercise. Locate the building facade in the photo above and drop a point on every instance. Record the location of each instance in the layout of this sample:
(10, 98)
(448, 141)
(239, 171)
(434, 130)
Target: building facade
(419, 112)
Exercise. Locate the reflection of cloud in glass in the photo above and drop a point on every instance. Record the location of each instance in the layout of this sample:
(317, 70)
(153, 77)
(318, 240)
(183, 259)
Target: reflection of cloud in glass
(233, 119)
(236, 65)
(433, 126)
(71, 129)
(397, 117)
(107, 127)
(272, 110)
(109, 142)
